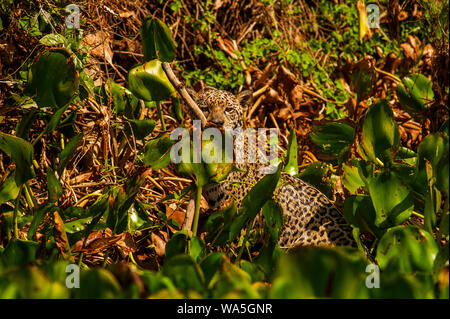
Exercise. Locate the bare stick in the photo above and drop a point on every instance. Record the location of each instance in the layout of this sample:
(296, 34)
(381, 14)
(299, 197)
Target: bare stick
(181, 89)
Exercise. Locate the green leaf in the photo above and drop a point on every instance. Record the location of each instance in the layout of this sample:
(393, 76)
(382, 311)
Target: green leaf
(317, 174)
(444, 127)
(351, 179)
(53, 186)
(157, 152)
(333, 138)
(292, 156)
(9, 189)
(142, 128)
(149, 82)
(379, 131)
(67, 153)
(177, 244)
(407, 249)
(184, 273)
(37, 219)
(98, 283)
(19, 252)
(212, 264)
(433, 149)
(217, 226)
(273, 215)
(52, 39)
(54, 121)
(391, 199)
(157, 40)
(415, 93)
(54, 79)
(360, 213)
(321, 272)
(254, 201)
(22, 153)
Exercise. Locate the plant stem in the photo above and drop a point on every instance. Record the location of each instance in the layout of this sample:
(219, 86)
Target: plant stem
(15, 213)
(158, 106)
(198, 199)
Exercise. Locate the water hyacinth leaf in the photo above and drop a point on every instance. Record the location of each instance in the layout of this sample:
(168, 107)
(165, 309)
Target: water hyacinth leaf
(351, 178)
(98, 283)
(292, 154)
(254, 201)
(177, 244)
(332, 138)
(19, 252)
(22, 153)
(218, 225)
(157, 40)
(8, 188)
(54, 120)
(273, 215)
(157, 152)
(54, 79)
(317, 175)
(142, 128)
(149, 82)
(196, 248)
(118, 94)
(433, 148)
(391, 199)
(67, 153)
(360, 213)
(217, 164)
(52, 39)
(23, 127)
(260, 193)
(379, 130)
(53, 186)
(415, 93)
(321, 272)
(212, 264)
(407, 249)
(185, 273)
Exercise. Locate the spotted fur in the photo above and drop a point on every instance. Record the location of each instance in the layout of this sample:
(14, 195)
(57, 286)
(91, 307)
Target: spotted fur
(309, 216)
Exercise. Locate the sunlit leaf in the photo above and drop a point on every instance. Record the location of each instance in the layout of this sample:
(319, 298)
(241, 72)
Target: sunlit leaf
(149, 82)
(292, 156)
(157, 152)
(333, 138)
(391, 199)
(415, 93)
(379, 130)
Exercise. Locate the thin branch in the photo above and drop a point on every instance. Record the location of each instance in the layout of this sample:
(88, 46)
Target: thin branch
(181, 89)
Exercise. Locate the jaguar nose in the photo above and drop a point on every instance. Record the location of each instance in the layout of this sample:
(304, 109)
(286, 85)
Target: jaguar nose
(217, 120)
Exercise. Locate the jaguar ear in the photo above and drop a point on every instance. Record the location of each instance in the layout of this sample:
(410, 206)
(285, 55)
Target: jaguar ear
(245, 98)
(192, 93)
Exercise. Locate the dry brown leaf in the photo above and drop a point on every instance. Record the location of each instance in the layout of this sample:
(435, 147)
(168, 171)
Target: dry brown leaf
(100, 45)
(160, 245)
(60, 236)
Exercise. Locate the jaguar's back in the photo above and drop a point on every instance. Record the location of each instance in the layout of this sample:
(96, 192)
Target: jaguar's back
(309, 216)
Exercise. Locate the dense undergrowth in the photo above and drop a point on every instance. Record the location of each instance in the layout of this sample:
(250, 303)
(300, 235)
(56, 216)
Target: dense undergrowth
(86, 115)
